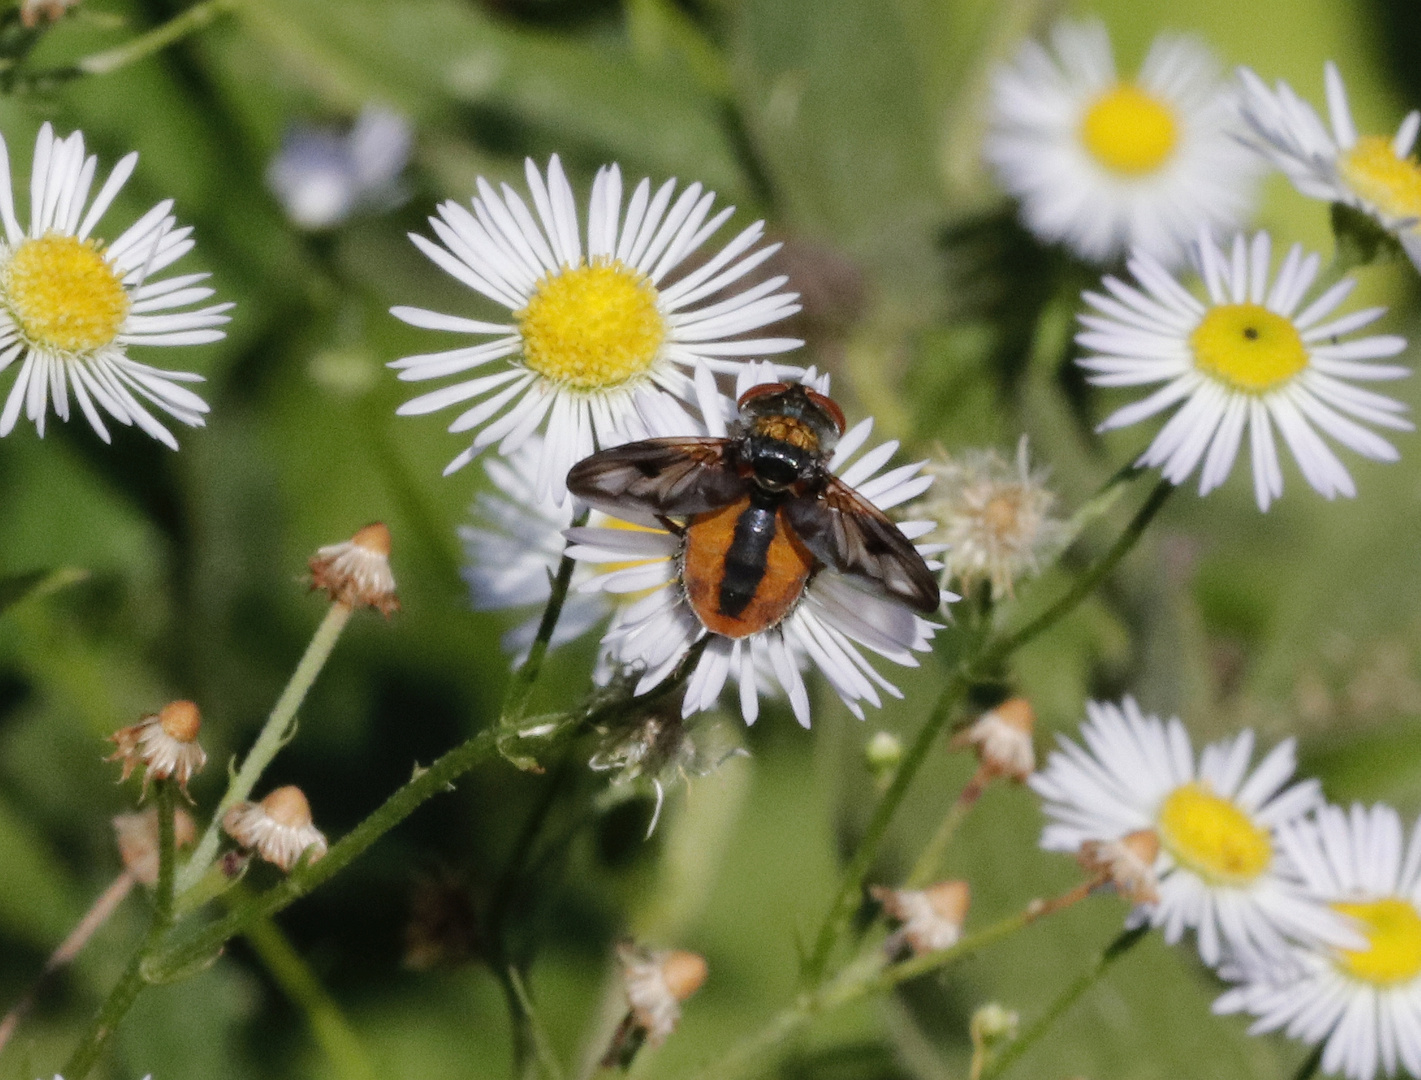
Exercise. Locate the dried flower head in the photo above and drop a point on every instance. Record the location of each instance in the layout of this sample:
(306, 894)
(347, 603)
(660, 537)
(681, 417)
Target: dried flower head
(356, 572)
(164, 743)
(137, 836)
(931, 918)
(656, 983)
(994, 515)
(35, 12)
(1002, 739)
(1127, 863)
(278, 828)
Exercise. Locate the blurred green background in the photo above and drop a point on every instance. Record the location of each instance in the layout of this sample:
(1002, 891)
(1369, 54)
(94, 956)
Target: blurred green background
(853, 126)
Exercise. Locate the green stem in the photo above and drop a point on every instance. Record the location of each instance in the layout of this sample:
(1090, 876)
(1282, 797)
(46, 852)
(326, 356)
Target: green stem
(274, 735)
(155, 40)
(926, 868)
(427, 783)
(515, 702)
(1308, 1069)
(296, 979)
(1087, 582)
(132, 982)
(1127, 940)
(990, 657)
(541, 1045)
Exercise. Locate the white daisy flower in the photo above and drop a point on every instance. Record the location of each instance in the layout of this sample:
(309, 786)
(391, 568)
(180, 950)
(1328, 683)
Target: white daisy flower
(1103, 164)
(832, 618)
(1220, 869)
(321, 176)
(1366, 1001)
(600, 336)
(70, 305)
(1244, 358)
(517, 543)
(1373, 173)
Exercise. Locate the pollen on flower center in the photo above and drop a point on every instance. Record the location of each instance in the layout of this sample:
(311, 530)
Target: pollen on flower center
(1393, 931)
(1248, 347)
(1393, 184)
(64, 294)
(592, 327)
(1129, 131)
(1212, 836)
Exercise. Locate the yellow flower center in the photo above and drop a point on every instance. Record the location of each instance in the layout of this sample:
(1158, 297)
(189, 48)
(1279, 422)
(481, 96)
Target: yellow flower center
(1212, 836)
(1393, 931)
(64, 294)
(1002, 514)
(1373, 171)
(592, 327)
(1248, 347)
(1129, 131)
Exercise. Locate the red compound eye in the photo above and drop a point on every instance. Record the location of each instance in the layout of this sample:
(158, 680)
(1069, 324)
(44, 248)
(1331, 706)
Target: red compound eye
(762, 390)
(830, 406)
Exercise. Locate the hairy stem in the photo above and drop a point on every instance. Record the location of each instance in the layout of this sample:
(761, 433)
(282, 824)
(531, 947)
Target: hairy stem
(155, 40)
(515, 702)
(131, 983)
(274, 735)
(1127, 940)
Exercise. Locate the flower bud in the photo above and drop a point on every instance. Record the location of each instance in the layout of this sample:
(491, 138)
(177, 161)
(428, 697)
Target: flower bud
(356, 572)
(1002, 739)
(993, 1025)
(657, 982)
(137, 836)
(279, 828)
(165, 744)
(1127, 863)
(883, 752)
(931, 919)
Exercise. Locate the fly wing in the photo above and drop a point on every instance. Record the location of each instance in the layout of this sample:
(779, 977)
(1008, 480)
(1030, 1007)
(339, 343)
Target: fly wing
(848, 533)
(657, 478)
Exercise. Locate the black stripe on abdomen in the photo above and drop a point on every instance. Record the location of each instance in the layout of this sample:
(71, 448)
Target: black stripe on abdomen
(746, 558)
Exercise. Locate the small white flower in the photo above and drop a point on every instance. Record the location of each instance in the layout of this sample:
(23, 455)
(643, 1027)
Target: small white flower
(931, 919)
(1002, 740)
(1364, 1002)
(994, 517)
(833, 617)
(356, 572)
(657, 982)
(1373, 173)
(1103, 164)
(1244, 359)
(71, 305)
(1220, 869)
(603, 334)
(322, 177)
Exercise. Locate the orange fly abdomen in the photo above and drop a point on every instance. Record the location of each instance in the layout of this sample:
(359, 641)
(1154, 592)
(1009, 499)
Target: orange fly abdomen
(708, 546)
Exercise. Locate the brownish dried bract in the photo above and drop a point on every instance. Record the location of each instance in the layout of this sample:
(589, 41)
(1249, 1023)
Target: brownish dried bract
(165, 744)
(279, 828)
(931, 919)
(137, 836)
(1127, 863)
(34, 12)
(357, 572)
(1002, 740)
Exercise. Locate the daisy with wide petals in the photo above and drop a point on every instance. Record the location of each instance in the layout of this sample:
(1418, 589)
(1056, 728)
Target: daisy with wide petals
(1220, 868)
(1102, 164)
(1376, 174)
(1364, 1002)
(1245, 358)
(601, 335)
(833, 617)
(71, 304)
